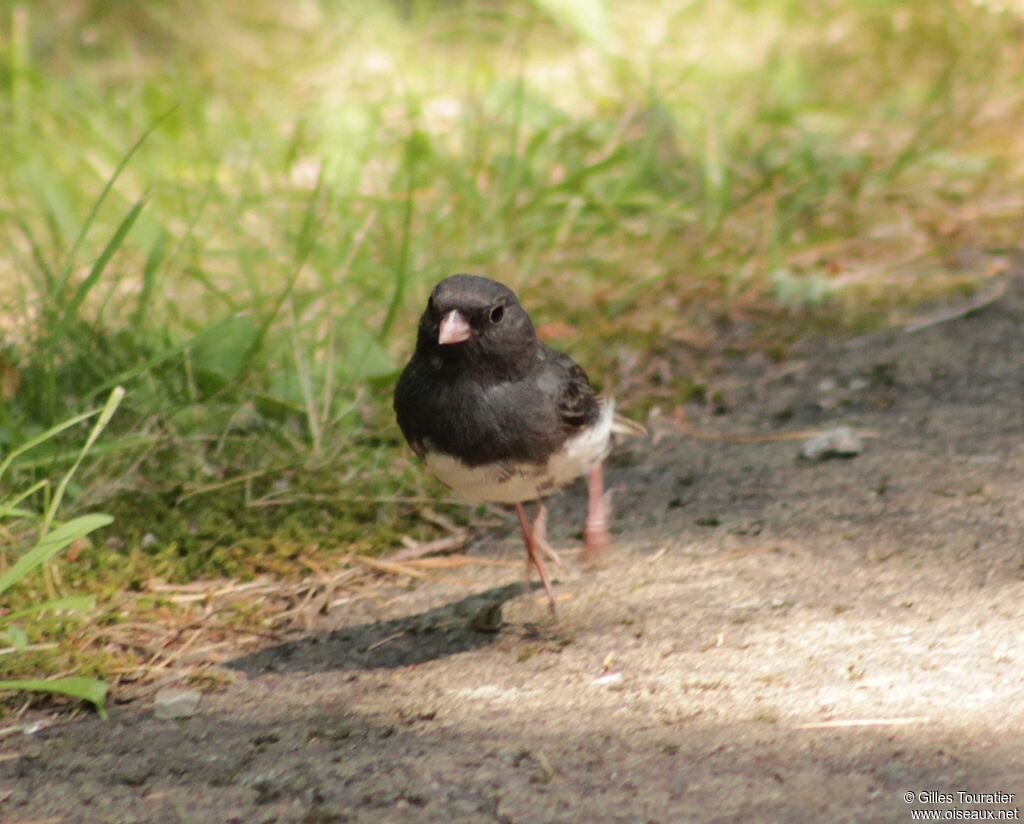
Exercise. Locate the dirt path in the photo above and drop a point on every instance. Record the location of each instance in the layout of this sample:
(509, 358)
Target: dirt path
(750, 597)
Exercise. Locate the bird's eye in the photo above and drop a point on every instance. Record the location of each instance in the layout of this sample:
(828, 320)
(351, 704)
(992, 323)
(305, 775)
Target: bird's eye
(497, 313)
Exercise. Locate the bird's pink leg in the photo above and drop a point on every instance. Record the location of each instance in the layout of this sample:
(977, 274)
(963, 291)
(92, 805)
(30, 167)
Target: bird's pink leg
(595, 533)
(533, 551)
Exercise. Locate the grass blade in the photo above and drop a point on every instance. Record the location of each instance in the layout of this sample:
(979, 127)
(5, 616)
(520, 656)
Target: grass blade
(128, 443)
(10, 509)
(105, 415)
(49, 545)
(69, 263)
(415, 149)
(37, 254)
(153, 260)
(71, 311)
(308, 232)
(43, 438)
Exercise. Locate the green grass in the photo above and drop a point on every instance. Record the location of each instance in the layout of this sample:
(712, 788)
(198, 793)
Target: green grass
(236, 210)
(50, 542)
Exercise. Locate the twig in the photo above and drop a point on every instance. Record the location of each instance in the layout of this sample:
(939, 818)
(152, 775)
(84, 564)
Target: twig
(430, 547)
(372, 499)
(384, 641)
(38, 725)
(454, 561)
(984, 298)
(215, 487)
(860, 722)
(437, 519)
(732, 556)
(391, 567)
(770, 437)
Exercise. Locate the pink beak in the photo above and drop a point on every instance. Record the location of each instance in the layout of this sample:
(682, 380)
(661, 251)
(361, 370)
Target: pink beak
(454, 328)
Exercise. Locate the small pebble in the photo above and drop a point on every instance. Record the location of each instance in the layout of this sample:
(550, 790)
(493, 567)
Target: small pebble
(841, 442)
(464, 806)
(176, 703)
(488, 619)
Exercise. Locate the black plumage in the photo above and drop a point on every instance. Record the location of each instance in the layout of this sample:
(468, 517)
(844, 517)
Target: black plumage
(497, 414)
(500, 396)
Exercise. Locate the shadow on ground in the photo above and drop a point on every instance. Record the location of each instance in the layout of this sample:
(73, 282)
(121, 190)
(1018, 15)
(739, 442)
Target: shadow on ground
(452, 628)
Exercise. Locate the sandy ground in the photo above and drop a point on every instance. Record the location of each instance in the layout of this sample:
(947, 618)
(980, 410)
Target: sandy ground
(771, 639)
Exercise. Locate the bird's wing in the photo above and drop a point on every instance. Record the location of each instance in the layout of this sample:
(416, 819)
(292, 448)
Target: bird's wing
(578, 403)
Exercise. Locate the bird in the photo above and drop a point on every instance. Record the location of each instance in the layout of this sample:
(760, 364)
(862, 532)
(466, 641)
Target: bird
(498, 416)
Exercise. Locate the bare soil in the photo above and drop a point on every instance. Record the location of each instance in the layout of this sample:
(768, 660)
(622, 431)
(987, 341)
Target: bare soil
(770, 640)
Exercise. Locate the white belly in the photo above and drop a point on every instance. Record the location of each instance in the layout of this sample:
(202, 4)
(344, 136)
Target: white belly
(514, 482)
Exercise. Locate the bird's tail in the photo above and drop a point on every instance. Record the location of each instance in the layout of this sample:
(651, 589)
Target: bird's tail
(621, 425)
(624, 426)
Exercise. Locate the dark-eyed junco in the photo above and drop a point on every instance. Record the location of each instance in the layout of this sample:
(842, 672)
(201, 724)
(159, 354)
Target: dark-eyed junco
(497, 415)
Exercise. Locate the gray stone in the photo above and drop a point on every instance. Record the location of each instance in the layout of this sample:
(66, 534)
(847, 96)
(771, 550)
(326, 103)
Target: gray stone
(841, 442)
(176, 703)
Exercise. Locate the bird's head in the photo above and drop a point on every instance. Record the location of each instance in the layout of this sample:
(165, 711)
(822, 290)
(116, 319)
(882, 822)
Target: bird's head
(474, 321)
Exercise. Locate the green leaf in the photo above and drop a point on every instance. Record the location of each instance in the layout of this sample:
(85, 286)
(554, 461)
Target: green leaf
(16, 637)
(76, 686)
(284, 390)
(364, 357)
(221, 352)
(49, 545)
